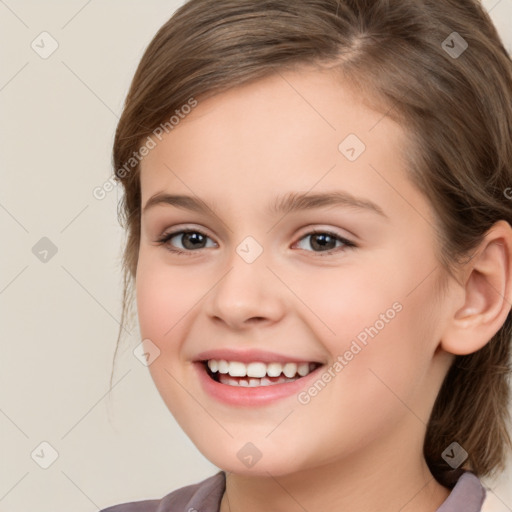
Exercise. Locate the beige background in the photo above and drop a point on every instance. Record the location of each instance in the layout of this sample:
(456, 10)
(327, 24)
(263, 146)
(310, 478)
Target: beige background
(60, 317)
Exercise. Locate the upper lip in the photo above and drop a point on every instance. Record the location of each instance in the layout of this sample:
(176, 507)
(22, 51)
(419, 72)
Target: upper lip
(249, 356)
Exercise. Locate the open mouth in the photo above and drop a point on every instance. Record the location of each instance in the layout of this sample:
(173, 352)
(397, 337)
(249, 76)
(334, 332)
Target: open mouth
(233, 373)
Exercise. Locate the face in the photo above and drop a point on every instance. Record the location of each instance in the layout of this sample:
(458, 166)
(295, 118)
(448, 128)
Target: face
(300, 244)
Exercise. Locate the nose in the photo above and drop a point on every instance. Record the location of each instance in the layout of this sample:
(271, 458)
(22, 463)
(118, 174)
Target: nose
(248, 294)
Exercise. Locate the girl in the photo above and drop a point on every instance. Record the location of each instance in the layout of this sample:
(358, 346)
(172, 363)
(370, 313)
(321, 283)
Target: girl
(319, 238)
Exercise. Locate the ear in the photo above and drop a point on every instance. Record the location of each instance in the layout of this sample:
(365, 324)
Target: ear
(486, 294)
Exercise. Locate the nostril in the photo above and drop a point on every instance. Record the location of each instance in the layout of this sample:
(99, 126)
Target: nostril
(256, 319)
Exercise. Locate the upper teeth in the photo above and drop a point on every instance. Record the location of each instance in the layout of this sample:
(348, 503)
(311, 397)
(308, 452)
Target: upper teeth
(259, 370)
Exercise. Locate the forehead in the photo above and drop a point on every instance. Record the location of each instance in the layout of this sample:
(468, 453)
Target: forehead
(292, 131)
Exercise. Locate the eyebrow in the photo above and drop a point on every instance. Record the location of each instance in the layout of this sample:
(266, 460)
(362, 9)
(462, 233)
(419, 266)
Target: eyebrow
(288, 203)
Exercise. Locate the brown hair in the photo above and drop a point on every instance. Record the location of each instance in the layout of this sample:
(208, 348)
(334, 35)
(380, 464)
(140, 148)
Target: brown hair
(455, 105)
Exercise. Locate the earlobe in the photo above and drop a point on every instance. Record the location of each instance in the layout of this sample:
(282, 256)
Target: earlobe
(487, 294)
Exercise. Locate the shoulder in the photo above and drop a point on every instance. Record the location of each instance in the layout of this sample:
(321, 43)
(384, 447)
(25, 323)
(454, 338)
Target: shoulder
(468, 494)
(204, 496)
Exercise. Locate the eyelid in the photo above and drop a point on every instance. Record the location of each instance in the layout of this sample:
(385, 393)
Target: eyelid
(309, 230)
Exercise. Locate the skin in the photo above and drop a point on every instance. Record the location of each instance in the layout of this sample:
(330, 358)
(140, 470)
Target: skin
(357, 445)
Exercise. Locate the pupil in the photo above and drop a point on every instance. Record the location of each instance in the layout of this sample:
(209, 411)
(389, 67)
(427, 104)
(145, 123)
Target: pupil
(323, 241)
(193, 239)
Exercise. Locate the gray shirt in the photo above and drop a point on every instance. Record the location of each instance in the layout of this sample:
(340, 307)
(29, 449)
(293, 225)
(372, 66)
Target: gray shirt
(467, 496)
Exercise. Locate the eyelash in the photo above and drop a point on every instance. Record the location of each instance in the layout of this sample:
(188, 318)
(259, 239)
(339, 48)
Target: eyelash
(166, 237)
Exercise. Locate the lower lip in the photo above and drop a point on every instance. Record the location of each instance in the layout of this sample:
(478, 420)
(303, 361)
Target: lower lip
(251, 396)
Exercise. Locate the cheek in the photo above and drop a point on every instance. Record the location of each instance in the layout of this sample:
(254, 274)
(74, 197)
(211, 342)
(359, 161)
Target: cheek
(165, 304)
(390, 358)
(164, 295)
(383, 331)
(373, 388)
(343, 302)
(156, 305)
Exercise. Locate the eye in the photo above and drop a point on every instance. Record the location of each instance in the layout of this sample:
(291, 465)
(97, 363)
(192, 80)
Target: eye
(192, 240)
(189, 239)
(325, 241)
